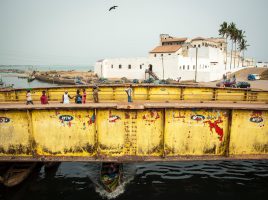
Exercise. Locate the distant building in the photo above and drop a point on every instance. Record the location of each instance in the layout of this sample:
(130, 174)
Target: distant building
(176, 57)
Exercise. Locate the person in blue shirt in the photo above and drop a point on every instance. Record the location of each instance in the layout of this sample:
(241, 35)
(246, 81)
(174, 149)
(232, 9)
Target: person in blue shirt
(78, 97)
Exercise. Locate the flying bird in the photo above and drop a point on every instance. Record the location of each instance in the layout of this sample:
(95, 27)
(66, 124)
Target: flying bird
(113, 8)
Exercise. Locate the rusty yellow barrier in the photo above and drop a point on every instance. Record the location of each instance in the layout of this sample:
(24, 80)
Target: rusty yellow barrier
(153, 93)
(148, 132)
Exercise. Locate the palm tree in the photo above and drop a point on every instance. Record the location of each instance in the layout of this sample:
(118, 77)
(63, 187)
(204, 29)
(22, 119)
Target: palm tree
(243, 47)
(231, 32)
(241, 36)
(223, 31)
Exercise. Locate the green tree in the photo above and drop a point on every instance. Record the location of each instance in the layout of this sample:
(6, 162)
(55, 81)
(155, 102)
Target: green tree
(243, 46)
(240, 38)
(232, 33)
(223, 31)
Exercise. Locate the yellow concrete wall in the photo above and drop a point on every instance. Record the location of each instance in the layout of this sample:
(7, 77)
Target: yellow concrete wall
(230, 95)
(159, 93)
(130, 132)
(198, 94)
(118, 133)
(164, 93)
(55, 136)
(14, 133)
(196, 132)
(111, 132)
(249, 132)
(150, 130)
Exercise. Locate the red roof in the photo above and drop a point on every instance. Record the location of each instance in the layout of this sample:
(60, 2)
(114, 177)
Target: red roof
(166, 49)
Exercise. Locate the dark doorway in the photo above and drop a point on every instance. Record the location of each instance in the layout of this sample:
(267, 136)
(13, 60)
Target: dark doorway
(150, 68)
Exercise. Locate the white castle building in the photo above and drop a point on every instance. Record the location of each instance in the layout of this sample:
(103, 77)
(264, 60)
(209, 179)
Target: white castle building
(200, 58)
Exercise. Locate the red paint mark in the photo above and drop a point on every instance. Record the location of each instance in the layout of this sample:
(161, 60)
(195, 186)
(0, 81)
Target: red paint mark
(214, 125)
(91, 120)
(57, 113)
(69, 123)
(151, 117)
(179, 116)
(127, 116)
(79, 116)
(256, 114)
(113, 118)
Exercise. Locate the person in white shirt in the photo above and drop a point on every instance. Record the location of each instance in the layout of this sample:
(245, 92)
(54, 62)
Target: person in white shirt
(66, 98)
(29, 99)
(129, 92)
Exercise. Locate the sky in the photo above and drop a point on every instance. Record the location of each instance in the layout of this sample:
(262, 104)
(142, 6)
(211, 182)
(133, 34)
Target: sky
(80, 32)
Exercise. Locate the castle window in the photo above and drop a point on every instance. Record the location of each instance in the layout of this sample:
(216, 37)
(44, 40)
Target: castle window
(169, 54)
(188, 67)
(120, 66)
(154, 55)
(193, 66)
(140, 66)
(112, 66)
(199, 45)
(183, 67)
(129, 66)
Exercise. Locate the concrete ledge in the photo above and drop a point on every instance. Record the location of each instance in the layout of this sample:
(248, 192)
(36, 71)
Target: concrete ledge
(130, 158)
(138, 106)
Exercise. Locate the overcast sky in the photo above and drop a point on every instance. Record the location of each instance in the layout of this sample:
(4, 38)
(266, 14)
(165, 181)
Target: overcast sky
(80, 32)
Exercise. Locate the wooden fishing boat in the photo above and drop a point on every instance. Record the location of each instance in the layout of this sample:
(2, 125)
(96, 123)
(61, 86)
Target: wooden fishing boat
(17, 173)
(31, 78)
(111, 176)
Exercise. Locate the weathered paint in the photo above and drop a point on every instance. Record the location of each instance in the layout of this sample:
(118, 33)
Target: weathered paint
(130, 132)
(64, 132)
(249, 132)
(198, 94)
(230, 95)
(14, 133)
(153, 93)
(129, 135)
(196, 132)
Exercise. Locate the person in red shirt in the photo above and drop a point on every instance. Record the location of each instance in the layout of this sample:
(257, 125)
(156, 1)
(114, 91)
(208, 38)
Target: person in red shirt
(43, 98)
(84, 96)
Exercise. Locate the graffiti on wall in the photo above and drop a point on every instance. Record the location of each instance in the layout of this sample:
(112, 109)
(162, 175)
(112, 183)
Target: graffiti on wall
(66, 120)
(113, 118)
(256, 117)
(151, 117)
(215, 125)
(212, 119)
(4, 120)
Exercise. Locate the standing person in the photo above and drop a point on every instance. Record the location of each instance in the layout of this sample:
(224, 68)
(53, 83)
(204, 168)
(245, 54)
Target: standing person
(84, 97)
(129, 92)
(66, 98)
(96, 94)
(29, 99)
(78, 97)
(43, 98)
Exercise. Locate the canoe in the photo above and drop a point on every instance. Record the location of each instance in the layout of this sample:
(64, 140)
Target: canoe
(30, 79)
(17, 173)
(111, 176)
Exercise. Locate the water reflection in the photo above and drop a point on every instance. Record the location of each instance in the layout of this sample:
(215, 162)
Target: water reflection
(9, 79)
(185, 180)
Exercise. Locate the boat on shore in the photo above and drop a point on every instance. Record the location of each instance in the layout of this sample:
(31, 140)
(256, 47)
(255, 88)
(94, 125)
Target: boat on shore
(56, 80)
(31, 78)
(16, 173)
